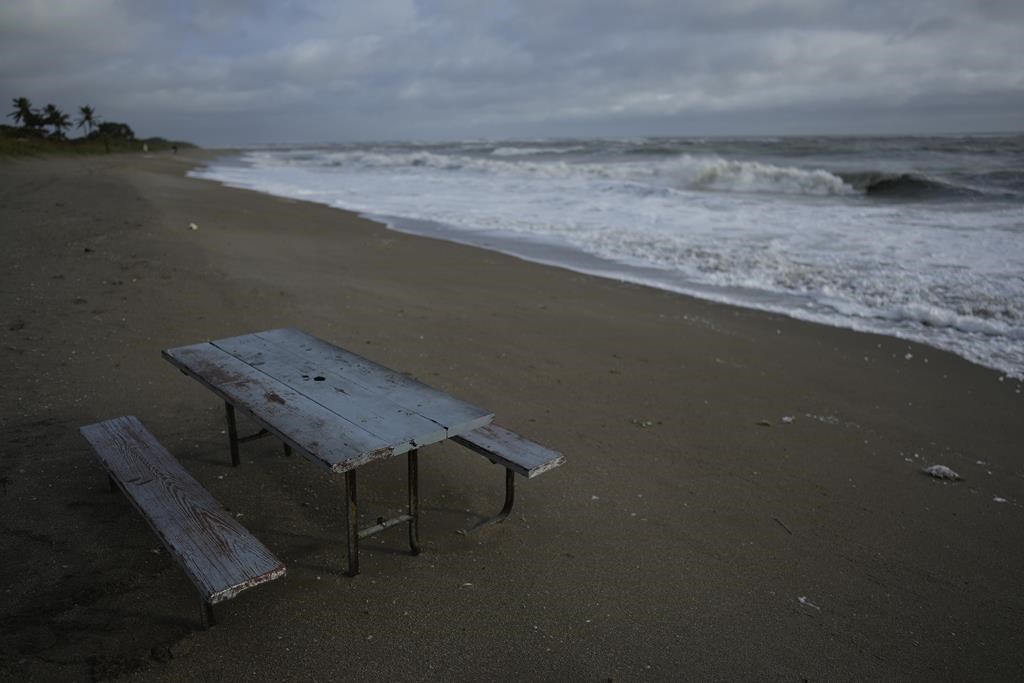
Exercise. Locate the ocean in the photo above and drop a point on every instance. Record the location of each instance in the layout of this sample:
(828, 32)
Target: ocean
(920, 238)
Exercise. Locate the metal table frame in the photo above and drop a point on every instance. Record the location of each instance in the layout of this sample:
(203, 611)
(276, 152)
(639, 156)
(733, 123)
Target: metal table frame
(265, 374)
(353, 532)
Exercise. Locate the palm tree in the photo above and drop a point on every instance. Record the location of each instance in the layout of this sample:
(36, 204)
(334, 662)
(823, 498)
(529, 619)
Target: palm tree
(87, 118)
(61, 123)
(23, 113)
(53, 116)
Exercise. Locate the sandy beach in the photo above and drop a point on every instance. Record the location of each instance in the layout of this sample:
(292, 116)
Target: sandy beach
(742, 498)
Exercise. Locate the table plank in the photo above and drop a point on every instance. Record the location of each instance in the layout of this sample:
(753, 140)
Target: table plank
(454, 415)
(398, 426)
(307, 426)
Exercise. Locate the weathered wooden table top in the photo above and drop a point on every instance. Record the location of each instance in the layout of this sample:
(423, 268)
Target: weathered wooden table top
(335, 407)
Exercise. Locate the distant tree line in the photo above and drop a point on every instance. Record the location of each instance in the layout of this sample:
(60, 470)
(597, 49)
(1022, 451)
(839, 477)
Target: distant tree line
(35, 122)
(43, 131)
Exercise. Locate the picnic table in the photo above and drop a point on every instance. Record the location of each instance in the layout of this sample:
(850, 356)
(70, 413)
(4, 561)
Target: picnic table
(341, 411)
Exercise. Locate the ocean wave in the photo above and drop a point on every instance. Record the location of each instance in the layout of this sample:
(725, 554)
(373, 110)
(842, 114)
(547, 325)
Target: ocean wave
(685, 172)
(808, 244)
(529, 151)
(663, 168)
(655, 150)
(1004, 182)
(752, 176)
(907, 186)
(1004, 323)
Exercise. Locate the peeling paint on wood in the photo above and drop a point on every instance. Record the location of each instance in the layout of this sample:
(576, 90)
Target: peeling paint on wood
(314, 431)
(514, 452)
(216, 552)
(454, 415)
(333, 389)
(333, 406)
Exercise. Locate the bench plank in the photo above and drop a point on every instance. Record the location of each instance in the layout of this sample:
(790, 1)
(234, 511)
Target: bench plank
(219, 555)
(300, 422)
(507, 448)
(454, 415)
(380, 416)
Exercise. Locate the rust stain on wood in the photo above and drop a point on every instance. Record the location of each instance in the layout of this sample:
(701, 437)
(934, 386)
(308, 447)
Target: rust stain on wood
(273, 397)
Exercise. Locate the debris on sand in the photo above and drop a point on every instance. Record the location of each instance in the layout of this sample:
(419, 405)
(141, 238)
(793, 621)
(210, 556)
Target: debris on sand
(803, 600)
(941, 472)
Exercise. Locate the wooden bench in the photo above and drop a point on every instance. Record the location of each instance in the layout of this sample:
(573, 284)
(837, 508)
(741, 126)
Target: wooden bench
(216, 552)
(516, 454)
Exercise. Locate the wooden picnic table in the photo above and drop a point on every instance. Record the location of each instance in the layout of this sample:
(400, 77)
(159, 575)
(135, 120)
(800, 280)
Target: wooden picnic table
(333, 406)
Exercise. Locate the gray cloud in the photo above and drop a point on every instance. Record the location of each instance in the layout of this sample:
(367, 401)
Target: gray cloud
(236, 71)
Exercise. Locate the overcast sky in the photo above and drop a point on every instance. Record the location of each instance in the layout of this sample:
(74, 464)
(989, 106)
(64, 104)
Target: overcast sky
(232, 72)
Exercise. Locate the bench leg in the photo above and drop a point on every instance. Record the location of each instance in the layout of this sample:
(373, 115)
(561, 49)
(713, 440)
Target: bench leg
(506, 510)
(232, 433)
(287, 450)
(113, 484)
(414, 502)
(352, 522)
(206, 614)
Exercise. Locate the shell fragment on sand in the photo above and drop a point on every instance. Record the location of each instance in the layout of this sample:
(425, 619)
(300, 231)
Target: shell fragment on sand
(941, 472)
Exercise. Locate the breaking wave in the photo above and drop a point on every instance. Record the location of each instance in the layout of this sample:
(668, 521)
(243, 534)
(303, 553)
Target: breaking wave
(682, 172)
(752, 176)
(528, 151)
(907, 186)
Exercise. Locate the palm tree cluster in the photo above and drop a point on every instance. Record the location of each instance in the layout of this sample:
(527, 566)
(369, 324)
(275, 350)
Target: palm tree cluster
(50, 115)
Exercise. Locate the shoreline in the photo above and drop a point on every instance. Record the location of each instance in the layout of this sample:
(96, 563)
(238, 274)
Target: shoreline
(683, 536)
(941, 324)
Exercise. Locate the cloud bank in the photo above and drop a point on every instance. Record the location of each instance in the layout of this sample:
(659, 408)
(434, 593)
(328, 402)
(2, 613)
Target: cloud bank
(236, 72)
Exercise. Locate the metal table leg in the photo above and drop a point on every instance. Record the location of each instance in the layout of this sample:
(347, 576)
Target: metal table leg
(412, 515)
(232, 433)
(414, 502)
(352, 523)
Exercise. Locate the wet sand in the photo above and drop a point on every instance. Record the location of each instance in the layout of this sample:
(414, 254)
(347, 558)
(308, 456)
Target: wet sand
(742, 498)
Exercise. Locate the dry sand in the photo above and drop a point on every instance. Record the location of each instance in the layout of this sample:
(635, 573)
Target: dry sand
(695, 532)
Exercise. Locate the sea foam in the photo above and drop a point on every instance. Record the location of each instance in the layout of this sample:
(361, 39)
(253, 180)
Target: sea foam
(761, 232)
